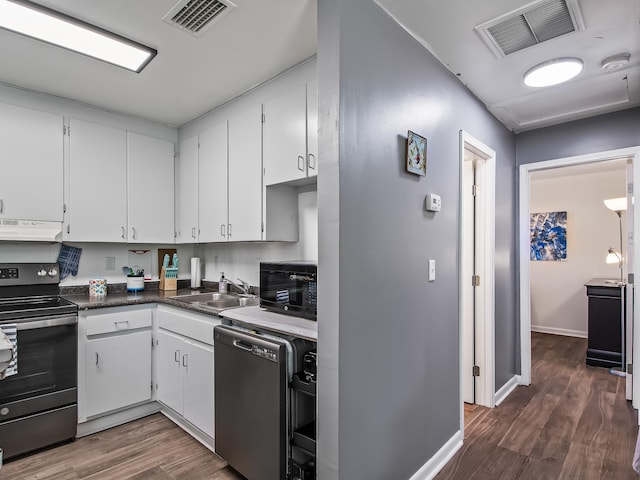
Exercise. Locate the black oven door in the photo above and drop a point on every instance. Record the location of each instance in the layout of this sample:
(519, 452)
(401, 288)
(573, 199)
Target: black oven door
(47, 360)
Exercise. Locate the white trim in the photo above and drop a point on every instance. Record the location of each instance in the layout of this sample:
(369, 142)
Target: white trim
(121, 417)
(506, 389)
(485, 326)
(559, 331)
(523, 248)
(188, 427)
(440, 459)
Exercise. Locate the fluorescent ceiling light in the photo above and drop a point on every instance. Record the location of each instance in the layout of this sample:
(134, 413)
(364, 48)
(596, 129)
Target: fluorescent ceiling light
(41, 23)
(553, 72)
(616, 204)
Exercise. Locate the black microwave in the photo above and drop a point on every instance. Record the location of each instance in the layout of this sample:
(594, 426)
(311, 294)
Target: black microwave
(290, 288)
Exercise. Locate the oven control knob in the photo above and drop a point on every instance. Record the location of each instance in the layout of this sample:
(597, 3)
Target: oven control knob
(53, 272)
(4, 411)
(42, 273)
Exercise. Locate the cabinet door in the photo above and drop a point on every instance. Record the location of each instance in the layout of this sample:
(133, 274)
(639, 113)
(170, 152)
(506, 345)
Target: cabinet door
(169, 370)
(150, 166)
(312, 128)
(31, 161)
(187, 192)
(198, 386)
(97, 183)
(118, 372)
(245, 176)
(285, 132)
(212, 184)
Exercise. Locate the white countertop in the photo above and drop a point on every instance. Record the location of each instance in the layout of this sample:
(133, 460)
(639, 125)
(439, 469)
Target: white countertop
(287, 324)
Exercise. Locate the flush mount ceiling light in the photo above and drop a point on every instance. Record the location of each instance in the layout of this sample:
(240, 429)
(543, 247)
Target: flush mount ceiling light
(553, 72)
(53, 27)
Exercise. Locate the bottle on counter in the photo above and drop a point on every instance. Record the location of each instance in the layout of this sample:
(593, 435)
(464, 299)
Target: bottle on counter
(222, 284)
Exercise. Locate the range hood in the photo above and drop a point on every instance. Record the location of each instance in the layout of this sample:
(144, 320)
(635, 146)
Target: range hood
(30, 231)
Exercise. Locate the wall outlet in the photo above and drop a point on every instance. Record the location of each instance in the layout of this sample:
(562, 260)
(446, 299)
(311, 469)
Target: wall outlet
(109, 264)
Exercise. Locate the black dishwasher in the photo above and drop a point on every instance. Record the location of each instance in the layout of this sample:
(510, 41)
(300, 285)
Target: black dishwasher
(251, 403)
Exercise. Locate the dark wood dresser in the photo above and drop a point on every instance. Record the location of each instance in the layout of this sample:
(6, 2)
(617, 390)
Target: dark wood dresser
(606, 322)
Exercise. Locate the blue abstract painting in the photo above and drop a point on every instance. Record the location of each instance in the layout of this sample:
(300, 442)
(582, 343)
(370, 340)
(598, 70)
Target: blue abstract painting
(549, 236)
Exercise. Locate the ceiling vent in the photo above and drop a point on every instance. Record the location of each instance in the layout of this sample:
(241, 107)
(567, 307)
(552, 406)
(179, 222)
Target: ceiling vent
(534, 23)
(197, 16)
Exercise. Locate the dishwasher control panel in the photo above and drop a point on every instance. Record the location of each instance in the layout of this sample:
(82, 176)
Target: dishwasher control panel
(266, 353)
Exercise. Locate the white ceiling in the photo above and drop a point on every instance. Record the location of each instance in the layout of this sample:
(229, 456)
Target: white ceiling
(188, 77)
(446, 28)
(260, 39)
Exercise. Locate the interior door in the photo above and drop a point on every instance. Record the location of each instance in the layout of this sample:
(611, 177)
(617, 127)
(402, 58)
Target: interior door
(468, 294)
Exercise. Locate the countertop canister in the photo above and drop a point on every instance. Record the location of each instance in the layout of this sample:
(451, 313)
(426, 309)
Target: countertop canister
(97, 287)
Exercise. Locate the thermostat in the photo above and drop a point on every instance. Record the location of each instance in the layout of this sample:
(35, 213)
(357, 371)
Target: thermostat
(432, 203)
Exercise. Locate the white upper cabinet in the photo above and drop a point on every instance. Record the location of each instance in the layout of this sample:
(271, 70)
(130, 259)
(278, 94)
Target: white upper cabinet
(285, 131)
(212, 184)
(150, 163)
(291, 135)
(187, 191)
(312, 128)
(97, 183)
(120, 186)
(245, 176)
(31, 161)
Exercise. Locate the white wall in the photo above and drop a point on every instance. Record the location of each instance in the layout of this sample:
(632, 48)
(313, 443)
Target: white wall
(558, 295)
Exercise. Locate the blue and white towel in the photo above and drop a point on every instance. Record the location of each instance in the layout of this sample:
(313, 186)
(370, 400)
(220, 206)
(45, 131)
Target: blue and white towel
(69, 260)
(10, 333)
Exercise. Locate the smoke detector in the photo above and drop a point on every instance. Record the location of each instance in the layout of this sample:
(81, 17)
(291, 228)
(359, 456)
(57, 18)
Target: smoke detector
(197, 16)
(615, 62)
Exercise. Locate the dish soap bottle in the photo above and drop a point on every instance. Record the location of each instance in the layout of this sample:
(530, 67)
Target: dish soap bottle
(222, 284)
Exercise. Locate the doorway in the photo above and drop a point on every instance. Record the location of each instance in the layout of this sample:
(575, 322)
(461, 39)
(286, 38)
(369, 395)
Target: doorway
(526, 171)
(477, 272)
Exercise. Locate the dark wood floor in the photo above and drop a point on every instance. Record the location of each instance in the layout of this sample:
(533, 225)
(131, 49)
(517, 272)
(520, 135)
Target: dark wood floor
(572, 422)
(152, 448)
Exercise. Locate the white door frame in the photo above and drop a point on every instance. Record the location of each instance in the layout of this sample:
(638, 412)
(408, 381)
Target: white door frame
(485, 324)
(523, 228)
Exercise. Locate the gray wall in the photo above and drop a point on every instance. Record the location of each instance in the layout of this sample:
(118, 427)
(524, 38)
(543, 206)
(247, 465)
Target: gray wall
(591, 135)
(388, 339)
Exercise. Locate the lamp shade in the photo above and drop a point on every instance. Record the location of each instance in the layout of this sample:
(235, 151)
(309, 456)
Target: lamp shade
(616, 204)
(613, 257)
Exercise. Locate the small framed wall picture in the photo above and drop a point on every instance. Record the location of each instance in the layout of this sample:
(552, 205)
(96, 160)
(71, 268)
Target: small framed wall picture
(416, 154)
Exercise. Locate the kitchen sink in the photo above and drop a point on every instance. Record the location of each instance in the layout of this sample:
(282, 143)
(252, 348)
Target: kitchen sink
(217, 302)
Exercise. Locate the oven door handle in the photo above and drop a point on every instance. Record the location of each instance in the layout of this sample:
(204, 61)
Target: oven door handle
(47, 322)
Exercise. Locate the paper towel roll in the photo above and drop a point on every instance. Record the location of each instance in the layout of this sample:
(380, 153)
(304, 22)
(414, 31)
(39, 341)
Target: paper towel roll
(195, 272)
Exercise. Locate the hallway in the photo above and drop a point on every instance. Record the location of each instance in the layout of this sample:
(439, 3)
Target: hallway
(572, 422)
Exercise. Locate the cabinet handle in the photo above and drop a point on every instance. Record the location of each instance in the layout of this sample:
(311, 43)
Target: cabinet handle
(301, 168)
(1, 205)
(185, 360)
(222, 230)
(176, 356)
(133, 233)
(122, 227)
(312, 166)
(122, 322)
(97, 358)
(229, 230)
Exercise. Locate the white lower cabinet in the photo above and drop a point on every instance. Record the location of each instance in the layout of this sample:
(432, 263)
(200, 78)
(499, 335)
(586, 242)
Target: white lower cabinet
(114, 353)
(184, 359)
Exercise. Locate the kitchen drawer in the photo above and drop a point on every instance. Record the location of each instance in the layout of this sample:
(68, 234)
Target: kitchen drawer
(192, 325)
(121, 320)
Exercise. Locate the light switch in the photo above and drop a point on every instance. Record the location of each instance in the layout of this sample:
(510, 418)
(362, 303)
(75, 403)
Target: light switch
(432, 270)
(432, 203)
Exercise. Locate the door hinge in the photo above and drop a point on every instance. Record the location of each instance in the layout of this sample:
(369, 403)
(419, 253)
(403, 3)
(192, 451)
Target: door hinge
(630, 368)
(475, 280)
(474, 190)
(630, 279)
(476, 370)
(64, 130)
(263, 118)
(630, 188)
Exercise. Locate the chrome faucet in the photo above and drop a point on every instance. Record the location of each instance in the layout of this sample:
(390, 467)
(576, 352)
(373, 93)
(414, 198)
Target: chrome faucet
(245, 289)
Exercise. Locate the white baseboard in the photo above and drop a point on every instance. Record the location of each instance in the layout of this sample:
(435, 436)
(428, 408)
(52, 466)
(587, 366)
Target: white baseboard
(118, 418)
(440, 459)
(188, 427)
(505, 390)
(559, 331)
